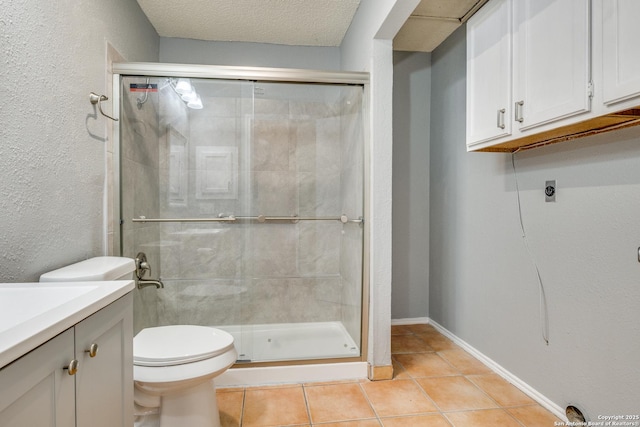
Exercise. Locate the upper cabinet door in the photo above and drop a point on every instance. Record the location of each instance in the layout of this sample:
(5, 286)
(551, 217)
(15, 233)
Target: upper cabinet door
(489, 73)
(551, 60)
(621, 58)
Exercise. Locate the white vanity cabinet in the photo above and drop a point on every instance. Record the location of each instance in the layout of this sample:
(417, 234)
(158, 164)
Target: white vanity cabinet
(620, 55)
(528, 68)
(104, 382)
(37, 391)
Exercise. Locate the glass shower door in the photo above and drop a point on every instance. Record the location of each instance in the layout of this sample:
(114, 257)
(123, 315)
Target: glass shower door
(247, 198)
(185, 162)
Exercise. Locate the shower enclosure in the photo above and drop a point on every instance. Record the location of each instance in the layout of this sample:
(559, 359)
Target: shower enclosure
(245, 189)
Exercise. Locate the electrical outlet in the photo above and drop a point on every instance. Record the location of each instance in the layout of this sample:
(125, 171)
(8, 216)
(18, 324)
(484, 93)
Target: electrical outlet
(550, 191)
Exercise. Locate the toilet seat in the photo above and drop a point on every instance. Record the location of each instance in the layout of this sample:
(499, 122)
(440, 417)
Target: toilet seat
(179, 344)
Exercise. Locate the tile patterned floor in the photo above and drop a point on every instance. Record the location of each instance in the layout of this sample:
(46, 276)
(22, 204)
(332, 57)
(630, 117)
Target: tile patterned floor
(435, 384)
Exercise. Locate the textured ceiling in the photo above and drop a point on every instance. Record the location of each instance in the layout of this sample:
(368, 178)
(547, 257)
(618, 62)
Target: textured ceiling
(298, 22)
(288, 22)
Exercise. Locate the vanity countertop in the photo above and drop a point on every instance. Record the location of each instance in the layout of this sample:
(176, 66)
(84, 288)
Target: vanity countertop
(33, 313)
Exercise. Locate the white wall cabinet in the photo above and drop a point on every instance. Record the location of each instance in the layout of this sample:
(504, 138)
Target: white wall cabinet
(551, 60)
(489, 73)
(528, 66)
(620, 54)
(38, 391)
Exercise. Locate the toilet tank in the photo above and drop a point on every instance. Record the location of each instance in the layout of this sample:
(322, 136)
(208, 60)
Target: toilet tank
(93, 269)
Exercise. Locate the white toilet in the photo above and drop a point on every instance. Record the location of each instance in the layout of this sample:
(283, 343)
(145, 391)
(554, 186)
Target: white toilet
(174, 366)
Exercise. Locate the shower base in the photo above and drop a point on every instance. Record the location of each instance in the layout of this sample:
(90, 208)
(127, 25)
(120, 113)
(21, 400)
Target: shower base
(292, 341)
(288, 343)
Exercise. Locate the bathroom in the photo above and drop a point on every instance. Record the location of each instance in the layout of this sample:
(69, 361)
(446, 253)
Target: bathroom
(56, 148)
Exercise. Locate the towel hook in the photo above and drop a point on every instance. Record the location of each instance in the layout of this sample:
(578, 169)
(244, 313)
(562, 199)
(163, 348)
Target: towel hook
(97, 99)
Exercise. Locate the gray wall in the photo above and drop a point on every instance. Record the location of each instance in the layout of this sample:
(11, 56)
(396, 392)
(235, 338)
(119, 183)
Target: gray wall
(52, 145)
(186, 51)
(483, 285)
(411, 117)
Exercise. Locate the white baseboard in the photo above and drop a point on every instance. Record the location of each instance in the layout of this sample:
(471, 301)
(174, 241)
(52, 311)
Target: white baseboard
(491, 364)
(411, 321)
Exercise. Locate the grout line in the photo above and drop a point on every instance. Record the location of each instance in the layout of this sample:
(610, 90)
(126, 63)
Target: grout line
(366, 396)
(424, 393)
(244, 396)
(306, 403)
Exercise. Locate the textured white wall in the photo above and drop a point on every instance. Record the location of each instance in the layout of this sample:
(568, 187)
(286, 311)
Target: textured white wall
(367, 46)
(52, 146)
(483, 286)
(411, 118)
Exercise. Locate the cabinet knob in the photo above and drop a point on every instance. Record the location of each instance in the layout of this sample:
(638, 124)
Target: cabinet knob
(93, 350)
(72, 369)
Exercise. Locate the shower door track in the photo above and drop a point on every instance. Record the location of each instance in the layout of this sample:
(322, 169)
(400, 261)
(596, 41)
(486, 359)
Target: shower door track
(241, 73)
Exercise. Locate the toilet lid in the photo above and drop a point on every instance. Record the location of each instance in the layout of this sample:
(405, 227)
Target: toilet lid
(179, 344)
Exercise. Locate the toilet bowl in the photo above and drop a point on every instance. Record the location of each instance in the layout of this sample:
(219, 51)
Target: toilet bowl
(173, 369)
(174, 366)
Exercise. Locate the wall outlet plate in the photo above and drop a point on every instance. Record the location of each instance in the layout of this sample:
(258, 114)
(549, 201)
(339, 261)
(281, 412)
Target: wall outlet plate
(550, 191)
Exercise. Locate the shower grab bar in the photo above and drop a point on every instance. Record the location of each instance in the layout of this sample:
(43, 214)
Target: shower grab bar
(260, 218)
(223, 219)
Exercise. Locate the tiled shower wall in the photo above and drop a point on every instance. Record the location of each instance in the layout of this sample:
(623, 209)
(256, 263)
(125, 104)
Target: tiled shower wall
(288, 153)
(139, 182)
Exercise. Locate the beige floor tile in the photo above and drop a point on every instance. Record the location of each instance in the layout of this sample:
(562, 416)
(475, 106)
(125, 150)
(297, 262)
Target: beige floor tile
(438, 341)
(400, 330)
(419, 365)
(409, 344)
(399, 373)
(421, 329)
(464, 362)
(500, 390)
(276, 406)
(534, 416)
(435, 420)
(397, 397)
(339, 402)
(455, 394)
(230, 407)
(359, 423)
(484, 418)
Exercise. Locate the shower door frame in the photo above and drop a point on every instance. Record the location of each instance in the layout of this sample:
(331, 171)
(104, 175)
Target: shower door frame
(261, 74)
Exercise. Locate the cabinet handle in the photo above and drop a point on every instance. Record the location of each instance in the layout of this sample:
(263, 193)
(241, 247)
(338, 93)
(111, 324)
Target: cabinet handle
(93, 350)
(501, 118)
(72, 368)
(518, 112)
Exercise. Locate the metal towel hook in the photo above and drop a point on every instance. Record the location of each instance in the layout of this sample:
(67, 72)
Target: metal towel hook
(97, 99)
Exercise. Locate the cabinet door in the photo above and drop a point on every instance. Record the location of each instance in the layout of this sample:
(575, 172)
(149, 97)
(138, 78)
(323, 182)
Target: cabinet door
(489, 73)
(105, 382)
(36, 389)
(551, 60)
(620, 58)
